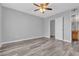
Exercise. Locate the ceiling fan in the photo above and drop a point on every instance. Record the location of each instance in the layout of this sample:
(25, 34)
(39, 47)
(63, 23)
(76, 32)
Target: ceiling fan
(42, 7)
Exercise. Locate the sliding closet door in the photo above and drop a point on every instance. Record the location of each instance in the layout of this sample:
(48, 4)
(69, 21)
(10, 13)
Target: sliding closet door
(0, 26)
(67, 28)
(59, 28)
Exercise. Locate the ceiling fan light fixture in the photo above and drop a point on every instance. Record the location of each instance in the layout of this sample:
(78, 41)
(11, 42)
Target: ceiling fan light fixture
(42, 7)
(42, 10)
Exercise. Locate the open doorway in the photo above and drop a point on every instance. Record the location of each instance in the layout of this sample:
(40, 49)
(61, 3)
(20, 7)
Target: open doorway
(52, 29)
(75, 27)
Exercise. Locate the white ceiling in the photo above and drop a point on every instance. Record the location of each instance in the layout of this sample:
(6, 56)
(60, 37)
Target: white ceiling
(29, 8)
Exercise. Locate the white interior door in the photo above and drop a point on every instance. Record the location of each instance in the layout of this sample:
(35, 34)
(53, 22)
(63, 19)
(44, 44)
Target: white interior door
(67, 29)
(59, 28)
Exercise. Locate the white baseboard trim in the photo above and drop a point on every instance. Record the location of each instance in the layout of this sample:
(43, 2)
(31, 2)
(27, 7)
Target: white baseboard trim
(2, 43)
(67, 41)
(47, 36)
(21, 40)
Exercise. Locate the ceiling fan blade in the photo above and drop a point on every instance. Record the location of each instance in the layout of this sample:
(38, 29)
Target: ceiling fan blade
(48, 8)
(36, 10)
(36, 4)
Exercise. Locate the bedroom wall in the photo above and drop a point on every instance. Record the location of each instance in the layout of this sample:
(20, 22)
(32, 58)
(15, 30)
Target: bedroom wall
(47, 27)
(0, 25)
(17, 25)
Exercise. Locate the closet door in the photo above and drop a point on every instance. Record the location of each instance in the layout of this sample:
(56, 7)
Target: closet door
(0, 26)
(67, 28)
(59, 28)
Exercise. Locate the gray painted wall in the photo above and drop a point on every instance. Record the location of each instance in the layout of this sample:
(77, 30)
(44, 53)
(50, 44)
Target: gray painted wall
(47, 27)
(0, 26)
(17, 25)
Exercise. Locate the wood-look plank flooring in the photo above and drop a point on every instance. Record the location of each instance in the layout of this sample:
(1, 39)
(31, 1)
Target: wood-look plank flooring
(40, 47)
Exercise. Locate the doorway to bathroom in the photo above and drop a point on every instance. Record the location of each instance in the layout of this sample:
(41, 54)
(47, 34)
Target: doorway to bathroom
(52, 28)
